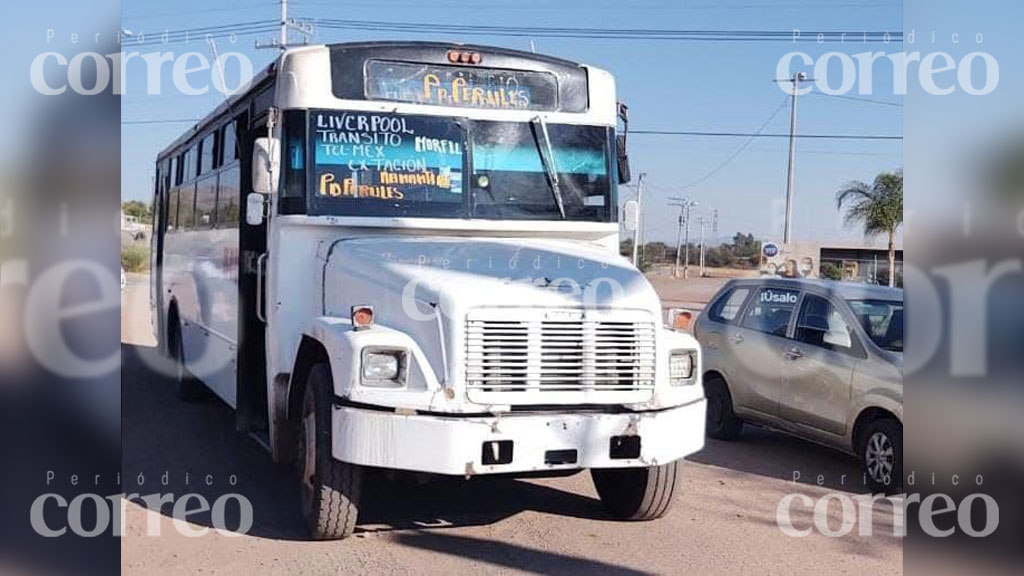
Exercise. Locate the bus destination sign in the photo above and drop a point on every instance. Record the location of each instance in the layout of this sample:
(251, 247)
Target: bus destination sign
(461, 87)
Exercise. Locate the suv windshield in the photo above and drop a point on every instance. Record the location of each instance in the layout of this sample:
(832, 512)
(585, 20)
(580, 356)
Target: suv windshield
(882, 320)
(369, 164)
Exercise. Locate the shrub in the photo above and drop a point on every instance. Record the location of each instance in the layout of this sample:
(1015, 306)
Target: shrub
(135, 258)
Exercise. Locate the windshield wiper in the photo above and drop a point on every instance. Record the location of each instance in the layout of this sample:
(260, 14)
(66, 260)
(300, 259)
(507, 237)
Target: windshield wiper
(549, 161)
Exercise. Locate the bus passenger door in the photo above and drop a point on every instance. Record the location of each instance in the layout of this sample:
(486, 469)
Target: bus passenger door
(251, 411)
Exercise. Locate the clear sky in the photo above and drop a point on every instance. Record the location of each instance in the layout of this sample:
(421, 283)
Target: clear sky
(668, 84)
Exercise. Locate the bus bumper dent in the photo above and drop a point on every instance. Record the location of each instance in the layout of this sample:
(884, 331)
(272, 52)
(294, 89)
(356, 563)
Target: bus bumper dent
(516, 442)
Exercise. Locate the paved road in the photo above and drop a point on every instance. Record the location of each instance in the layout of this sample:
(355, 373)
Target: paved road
(723, 520)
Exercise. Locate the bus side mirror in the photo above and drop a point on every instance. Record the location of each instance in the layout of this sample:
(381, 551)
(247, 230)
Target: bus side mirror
(631, 216)
(265, 165)
(622, 159)
(621, 152)
(254, 208)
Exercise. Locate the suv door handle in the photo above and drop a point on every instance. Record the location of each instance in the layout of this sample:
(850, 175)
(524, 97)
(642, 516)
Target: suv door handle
(793, 353)
(736, 338)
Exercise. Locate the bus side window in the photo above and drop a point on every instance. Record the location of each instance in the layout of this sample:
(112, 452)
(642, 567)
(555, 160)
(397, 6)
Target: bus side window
(188, 172)
(206, 157)
(172, 210)
(293, 183)
(228, 148)
(229, 198)
(206, 202)
(187, 207)
(175, 174)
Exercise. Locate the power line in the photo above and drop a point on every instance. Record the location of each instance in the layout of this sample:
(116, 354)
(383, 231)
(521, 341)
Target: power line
(151, 15)
(262, 26)
(616, 6)
(614, 33)
(755, 135)
(861, 99)
(165, 121)
(739, 150)
(198, 34)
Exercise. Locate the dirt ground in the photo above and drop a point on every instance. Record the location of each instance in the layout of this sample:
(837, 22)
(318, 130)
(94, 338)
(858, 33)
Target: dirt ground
(723, 520)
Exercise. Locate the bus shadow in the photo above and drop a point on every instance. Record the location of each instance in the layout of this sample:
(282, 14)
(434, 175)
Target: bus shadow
(171, 447)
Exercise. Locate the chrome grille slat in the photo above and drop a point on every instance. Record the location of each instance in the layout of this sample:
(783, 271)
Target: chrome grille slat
(533, 356)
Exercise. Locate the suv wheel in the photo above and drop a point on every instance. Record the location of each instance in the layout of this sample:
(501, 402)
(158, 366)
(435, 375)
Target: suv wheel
(722, 423)
(881, 455)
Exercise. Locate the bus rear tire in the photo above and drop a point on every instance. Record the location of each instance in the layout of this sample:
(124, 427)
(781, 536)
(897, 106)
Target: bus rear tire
(637, 494)
(186, 387)
(329, 490)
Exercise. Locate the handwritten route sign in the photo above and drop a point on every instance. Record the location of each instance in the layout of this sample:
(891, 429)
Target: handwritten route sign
(461, 87)
(386, 157)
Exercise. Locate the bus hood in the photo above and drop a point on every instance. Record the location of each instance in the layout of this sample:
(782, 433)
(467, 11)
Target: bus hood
(411, 280)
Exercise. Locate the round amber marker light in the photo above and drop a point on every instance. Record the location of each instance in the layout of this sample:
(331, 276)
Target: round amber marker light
(362, 317)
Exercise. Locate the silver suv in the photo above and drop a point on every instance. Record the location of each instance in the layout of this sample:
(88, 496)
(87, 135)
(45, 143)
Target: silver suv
(820, 360)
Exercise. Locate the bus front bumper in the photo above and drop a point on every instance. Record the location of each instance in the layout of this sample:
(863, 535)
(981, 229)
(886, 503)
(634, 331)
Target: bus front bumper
(513, 443)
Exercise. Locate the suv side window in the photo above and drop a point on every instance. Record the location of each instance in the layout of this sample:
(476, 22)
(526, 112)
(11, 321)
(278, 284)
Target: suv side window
(771, 311)
(819, 317)
(727, 308)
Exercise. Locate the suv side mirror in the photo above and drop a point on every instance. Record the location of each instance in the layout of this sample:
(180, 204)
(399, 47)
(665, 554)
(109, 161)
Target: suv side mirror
(631, 216)
(265, 165)
(838, 338)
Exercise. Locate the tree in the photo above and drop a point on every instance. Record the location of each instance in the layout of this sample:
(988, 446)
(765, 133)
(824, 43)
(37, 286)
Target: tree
(878, 208)
(138, 209)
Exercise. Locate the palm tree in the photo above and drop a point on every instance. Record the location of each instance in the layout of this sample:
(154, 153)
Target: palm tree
(878, 208)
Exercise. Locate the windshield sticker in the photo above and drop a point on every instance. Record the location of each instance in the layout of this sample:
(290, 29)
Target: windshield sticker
(387, 157)
(778, 297)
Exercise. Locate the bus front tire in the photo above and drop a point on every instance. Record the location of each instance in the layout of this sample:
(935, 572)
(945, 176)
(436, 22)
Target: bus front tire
(637, 494)
(330, 490)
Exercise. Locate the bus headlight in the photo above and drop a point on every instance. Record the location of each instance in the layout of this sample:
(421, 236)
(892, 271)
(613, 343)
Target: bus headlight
(384, 368)
(681, 366)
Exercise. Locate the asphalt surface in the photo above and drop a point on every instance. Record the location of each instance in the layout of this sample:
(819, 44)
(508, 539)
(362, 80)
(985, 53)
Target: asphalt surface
(723, 519)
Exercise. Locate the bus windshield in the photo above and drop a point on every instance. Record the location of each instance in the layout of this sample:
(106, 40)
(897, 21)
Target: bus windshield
(395, 165)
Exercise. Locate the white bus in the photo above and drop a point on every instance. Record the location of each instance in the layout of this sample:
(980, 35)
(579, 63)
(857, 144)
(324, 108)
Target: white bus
(405, 255)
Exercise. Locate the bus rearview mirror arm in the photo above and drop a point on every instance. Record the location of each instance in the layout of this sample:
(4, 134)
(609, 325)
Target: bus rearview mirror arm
(621, 152)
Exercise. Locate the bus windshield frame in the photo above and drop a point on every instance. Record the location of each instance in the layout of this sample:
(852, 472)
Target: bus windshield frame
(442, 166)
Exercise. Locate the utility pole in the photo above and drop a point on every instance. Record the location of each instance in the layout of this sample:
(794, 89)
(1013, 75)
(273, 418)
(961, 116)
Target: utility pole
(281, 42)
(796, 79)
(703, 246)
(637, 233)
(284, 24)
(679, 242)
(684, 205)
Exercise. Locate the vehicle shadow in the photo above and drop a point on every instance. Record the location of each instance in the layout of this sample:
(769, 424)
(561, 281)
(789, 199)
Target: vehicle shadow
(777, 455)
(507, 555)
(171, 447)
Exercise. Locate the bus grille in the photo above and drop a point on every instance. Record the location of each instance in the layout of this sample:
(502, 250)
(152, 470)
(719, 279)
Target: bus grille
(522, 355)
